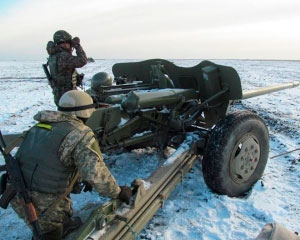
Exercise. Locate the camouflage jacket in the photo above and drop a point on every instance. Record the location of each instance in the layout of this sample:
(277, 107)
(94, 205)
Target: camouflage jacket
(66, 62)
(76, 151)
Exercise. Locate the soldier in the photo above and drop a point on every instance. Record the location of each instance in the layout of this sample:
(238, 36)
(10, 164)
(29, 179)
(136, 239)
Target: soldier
(53, 154)
(62, 63)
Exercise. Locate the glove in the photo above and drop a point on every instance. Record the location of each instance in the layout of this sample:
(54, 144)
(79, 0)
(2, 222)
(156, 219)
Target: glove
(75, 42)
(87, 186)
(125, 194)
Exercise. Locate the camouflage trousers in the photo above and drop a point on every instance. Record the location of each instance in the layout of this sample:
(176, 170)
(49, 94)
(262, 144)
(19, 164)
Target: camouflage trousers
(51, 220)
(58, 92)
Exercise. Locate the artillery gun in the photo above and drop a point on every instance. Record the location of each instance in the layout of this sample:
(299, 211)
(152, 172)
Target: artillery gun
(162, 105)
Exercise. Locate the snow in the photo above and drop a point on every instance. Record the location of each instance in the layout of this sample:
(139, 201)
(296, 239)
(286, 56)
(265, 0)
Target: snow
(98, 234)
(184, 147)
(123, 210)
(165, 110)
(123, 121)
(192, 210)
(141, 134)
(147, 185)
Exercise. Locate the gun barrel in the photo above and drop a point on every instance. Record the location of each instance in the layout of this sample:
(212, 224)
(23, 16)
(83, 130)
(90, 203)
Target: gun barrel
(266, 90)
(135, 100)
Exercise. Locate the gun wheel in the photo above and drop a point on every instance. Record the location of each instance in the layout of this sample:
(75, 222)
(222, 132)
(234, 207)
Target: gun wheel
(236, 154)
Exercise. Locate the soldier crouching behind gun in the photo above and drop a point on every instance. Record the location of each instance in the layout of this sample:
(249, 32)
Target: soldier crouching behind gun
(62, 63)
(54, 153)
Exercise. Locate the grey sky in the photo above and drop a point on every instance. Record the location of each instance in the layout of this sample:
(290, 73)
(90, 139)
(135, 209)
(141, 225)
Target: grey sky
(264, 29)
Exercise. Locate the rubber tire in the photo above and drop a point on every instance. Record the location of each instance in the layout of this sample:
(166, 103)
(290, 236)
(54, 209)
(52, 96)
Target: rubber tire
(216, 158)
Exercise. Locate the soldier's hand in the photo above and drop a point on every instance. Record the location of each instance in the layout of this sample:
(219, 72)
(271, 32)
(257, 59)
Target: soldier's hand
(125, 194)
(75, 42)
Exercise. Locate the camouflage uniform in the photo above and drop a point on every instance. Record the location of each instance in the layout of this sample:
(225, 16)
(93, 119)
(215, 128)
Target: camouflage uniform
(76, 150)
(62, 68)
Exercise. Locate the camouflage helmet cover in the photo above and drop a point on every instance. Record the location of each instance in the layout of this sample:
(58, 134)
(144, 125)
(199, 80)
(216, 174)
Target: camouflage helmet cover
(61, 36)
(77, 102)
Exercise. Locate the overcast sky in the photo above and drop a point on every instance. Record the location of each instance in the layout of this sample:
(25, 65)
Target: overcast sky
(210, 29)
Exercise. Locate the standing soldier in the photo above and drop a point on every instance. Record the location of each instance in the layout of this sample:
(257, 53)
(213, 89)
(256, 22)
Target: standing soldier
(62, 63)
(54, 153)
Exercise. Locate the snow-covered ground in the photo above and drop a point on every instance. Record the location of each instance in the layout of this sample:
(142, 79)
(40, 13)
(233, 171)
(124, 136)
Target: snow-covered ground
(192, 211)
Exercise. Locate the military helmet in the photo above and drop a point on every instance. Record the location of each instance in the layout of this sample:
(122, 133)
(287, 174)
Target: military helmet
(101, 79)
(62, 36)
(77, 102)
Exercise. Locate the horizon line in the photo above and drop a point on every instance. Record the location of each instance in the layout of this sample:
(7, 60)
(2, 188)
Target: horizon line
(241, 59)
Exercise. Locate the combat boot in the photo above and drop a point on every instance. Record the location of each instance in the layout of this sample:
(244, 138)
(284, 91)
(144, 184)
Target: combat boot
(71, 224)
(56, 234)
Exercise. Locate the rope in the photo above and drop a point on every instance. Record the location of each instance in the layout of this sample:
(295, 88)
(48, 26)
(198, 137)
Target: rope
(127, 225)
(297, 149)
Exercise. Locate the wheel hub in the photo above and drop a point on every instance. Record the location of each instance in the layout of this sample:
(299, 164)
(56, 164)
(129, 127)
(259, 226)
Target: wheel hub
(244, 158)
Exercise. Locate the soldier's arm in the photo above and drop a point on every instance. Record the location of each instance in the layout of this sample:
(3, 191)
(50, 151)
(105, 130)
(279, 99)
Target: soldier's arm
(92, 168)
(81, 55)
(67, 60)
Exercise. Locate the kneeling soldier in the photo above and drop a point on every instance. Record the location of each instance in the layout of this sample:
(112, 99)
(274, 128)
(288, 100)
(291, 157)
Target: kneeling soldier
(53, 154)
